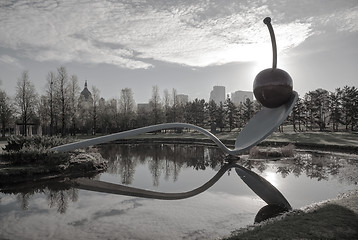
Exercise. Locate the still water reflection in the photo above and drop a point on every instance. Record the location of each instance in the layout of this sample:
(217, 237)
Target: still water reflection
(60, 211)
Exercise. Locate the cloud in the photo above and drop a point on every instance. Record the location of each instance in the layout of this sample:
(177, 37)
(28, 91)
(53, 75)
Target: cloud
(344, 20)
(9, 60)
(131, 34)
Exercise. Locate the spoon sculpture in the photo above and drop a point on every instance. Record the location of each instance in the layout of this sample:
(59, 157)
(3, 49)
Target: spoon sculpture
(272, 87)
(257, 129)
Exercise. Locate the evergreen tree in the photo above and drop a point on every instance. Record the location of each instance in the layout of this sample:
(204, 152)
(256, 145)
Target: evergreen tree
(297, 117)
(231, 113)
(350, 107)
(317, 103)
(248, 110)
(195, 112)
(212, 109)
(335, 108)
(221, 117)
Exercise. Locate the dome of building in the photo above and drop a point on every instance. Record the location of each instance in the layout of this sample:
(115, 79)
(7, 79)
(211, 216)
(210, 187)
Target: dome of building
(86, 94)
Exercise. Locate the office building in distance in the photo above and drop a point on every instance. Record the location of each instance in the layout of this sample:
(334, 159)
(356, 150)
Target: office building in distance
(182, 98)
(241, 96)
(218, 94)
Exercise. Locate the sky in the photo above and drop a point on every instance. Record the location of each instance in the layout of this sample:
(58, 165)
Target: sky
(188, 45)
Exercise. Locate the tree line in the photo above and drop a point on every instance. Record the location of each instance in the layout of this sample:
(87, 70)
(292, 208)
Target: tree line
(63, 110)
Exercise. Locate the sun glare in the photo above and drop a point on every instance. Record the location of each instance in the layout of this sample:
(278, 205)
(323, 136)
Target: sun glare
(262, 57)
(272, 178)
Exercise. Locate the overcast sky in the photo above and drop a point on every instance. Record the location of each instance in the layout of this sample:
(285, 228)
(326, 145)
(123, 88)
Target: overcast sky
(187, 45)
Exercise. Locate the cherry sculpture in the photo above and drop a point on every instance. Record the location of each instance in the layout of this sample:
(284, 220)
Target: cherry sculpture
(272, 86)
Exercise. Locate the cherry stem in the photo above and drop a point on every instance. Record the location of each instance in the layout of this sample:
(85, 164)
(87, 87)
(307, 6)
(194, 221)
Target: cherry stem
(267, 21)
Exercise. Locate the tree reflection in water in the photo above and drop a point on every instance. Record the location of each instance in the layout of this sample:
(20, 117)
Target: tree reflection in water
(321, 166)
(168, 159)
(58, 194)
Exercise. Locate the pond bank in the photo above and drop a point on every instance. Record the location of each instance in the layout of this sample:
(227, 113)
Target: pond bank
(331, 219)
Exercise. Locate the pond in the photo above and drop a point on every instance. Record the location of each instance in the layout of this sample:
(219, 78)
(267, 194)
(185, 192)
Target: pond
(60, 210)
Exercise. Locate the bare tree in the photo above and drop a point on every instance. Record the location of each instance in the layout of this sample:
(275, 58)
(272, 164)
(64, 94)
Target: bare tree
(112, 115)
(103, 123)
(43, 113)
(177, 113)
(96, 98)
(155, 105)
(126, 108)
(74, 92)
(62, 97)
(166, 103)
(25, 99)
(50, 92)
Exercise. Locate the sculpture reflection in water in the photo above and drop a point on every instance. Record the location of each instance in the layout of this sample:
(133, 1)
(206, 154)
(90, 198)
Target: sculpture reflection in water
(59, 193)
(277, 203)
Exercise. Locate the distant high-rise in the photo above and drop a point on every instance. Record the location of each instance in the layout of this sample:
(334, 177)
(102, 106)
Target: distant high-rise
(182, 98)
(217, 94)
(241, 96)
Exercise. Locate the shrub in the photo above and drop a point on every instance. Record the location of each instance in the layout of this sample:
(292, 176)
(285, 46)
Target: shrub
(36, 156)
(288, 150)
(34, 150)
(254, 152)
(285, 151)
(16, 143)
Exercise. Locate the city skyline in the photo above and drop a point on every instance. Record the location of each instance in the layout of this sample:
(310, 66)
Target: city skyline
(188, 45)
(184, 98)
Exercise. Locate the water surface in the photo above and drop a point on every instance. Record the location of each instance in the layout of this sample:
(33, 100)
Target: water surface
(60, 211)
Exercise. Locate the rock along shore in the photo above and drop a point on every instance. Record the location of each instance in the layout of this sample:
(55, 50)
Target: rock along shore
(83, 164)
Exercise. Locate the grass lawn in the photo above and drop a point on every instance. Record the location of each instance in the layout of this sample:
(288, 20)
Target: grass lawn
(334, 219)
(324, 138)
